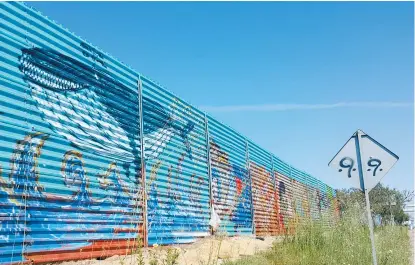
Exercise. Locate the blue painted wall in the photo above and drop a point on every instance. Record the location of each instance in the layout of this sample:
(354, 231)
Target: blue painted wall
(231, 183)
(96, 158)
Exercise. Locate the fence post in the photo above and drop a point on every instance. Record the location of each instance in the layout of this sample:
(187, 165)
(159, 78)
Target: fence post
(209, 164)
(248, 167)
(273, 173)
(143, 163)
(291, 201)
(309, 195)
(274, 178)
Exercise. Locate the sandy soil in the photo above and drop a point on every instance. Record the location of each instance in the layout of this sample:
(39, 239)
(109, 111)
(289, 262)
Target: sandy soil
(412, 235)
(203, 252)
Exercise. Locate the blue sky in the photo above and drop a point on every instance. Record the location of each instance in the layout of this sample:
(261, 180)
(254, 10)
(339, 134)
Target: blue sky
(273, 71)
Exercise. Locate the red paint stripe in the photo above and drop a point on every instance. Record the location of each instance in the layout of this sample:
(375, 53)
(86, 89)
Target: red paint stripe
(98, 249)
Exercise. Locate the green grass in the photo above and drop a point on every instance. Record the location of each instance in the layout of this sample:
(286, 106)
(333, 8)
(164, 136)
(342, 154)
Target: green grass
(345, 243)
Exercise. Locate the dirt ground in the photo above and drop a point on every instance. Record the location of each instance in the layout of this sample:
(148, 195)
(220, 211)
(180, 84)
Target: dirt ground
(412, 235)
(203, 252)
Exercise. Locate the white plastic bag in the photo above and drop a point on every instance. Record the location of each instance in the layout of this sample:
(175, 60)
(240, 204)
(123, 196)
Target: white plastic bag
(214, 219)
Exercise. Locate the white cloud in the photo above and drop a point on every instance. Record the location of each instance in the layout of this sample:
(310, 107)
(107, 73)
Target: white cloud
(288, 107)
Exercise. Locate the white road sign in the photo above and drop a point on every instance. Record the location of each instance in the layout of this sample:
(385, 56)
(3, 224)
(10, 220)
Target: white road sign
(363, 161)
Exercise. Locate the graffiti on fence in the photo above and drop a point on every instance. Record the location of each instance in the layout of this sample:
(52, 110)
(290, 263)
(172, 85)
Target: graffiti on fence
(81, 103)
(71, 176)
(266, 208)
(177, 204)
(231, 191)
(174, 211)
(292, 202)
(315, 203)
(26, 201)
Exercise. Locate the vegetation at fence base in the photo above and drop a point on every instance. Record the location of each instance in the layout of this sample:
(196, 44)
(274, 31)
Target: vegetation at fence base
(171, 257)
(345, 243)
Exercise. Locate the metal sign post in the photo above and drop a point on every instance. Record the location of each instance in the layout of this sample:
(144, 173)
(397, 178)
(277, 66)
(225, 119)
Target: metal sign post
(372, 234)
(364, 162)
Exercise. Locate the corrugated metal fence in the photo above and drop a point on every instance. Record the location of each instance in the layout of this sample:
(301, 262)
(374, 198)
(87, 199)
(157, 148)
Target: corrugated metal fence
(96, 159)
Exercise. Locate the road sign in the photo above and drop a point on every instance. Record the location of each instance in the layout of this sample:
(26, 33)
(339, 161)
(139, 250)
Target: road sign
(364, 162)
(376, 161)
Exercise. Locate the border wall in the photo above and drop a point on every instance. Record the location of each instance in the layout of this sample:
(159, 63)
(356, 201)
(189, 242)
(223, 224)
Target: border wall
(95, 157)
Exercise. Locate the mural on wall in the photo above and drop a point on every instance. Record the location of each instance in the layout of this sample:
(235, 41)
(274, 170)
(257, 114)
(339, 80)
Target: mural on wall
(231, 192)
(27, 205)
(80, 103)
(286, 202)
(300, 200)
(161, 125)
(175, 212)
(265, 201)
(178, 198)
(71, 176)
(315, 206)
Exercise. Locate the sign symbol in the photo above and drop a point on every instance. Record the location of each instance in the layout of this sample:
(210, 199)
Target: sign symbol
(374, 162)
(349, 165)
